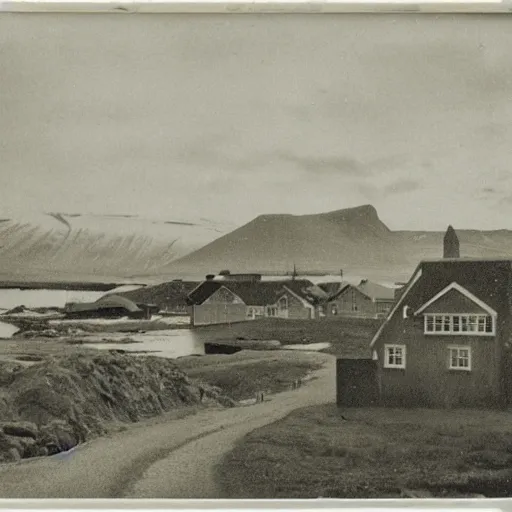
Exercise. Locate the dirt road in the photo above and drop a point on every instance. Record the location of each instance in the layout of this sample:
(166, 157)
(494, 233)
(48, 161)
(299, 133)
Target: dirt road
(162, 460)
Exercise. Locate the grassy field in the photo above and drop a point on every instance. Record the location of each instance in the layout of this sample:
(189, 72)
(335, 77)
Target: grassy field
(243, 374)
(374, 453)
(349, 337)
(239, 375)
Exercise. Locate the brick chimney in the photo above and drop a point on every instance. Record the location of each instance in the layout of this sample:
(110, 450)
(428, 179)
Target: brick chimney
(451, 244)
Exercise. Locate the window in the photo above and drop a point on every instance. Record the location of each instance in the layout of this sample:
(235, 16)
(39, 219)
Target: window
(271, 311)
(283, 303)
(459, 358)
(383, 307)
(354, 301)
(480, 325)
(334, 309)
(394, 356)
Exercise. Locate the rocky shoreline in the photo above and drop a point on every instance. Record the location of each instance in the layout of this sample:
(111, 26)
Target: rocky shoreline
(54, 405)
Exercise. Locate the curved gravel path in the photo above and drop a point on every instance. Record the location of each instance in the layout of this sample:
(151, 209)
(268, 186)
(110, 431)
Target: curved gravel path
(174, 459)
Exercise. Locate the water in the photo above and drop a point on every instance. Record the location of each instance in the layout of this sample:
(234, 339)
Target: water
(170, 344)
(310, 347)
(7, 330)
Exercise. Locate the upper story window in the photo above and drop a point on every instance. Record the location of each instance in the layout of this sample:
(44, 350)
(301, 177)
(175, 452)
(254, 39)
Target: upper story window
(475, 325)
(283, 303)
(394, 356)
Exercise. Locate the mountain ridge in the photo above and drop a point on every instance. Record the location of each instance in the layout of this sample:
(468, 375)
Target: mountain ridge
(353, 239)
(88, 247)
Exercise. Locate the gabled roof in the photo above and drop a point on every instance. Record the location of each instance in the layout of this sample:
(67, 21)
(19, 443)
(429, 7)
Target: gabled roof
(463, 291)
(333, 289)
(376, 291)
(412, 282)
(258, 293)
(371, 290)
(172, 293)
(489, 280)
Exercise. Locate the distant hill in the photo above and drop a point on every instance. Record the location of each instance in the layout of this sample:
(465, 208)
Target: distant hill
(71, 247)
(100, 248)
(352, 239)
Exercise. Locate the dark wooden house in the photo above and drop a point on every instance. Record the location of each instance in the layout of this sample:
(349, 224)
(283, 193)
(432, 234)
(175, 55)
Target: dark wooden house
(229, 301)
(366, 300)
(446, 341)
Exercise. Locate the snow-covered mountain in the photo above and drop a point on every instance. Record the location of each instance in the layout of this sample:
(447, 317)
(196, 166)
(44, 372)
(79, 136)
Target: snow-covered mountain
(63, 246)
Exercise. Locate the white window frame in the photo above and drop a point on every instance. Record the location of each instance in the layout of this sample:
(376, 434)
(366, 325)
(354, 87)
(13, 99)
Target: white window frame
(387, 349)
(272, 311)
(458, 348)
(284, 299)
(447, 322)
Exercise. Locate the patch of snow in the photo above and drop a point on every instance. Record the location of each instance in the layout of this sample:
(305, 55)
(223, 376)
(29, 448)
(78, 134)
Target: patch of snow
(310, 347)
(170, 344)
(94, 321)
(33, 314)
(7, 330)
(176, 320)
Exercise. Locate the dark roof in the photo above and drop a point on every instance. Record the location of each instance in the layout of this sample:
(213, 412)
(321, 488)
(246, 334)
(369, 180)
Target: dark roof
(333, 287)
(170, 294)
(376, 291)
(105, 302)
(487, 279)
(371, 290)
(259, 293)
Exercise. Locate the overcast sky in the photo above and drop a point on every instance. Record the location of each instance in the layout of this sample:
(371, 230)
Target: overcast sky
(232, 116)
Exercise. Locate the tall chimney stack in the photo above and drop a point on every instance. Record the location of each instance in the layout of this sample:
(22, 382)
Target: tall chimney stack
(451, 247)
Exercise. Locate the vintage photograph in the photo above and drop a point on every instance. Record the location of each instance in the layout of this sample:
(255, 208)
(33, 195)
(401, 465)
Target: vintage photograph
(261, 256)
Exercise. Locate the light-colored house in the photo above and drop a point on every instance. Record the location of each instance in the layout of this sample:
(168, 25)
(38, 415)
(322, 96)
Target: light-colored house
(228, 301)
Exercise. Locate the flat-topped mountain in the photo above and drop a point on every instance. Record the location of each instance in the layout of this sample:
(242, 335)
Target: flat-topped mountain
(352, 239)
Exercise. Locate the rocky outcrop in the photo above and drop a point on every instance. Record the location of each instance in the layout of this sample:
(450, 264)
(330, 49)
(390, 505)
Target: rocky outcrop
(54, 405)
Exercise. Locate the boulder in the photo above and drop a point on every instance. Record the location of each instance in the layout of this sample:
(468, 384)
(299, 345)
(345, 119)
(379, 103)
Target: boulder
(9, 449)
(20, 429)
(57, 436)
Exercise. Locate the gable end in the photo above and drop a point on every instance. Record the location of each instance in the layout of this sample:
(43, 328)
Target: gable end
(455, 299)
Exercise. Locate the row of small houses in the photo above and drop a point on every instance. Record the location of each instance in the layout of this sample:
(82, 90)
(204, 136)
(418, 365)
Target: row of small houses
(232, 300)
(242, 297)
